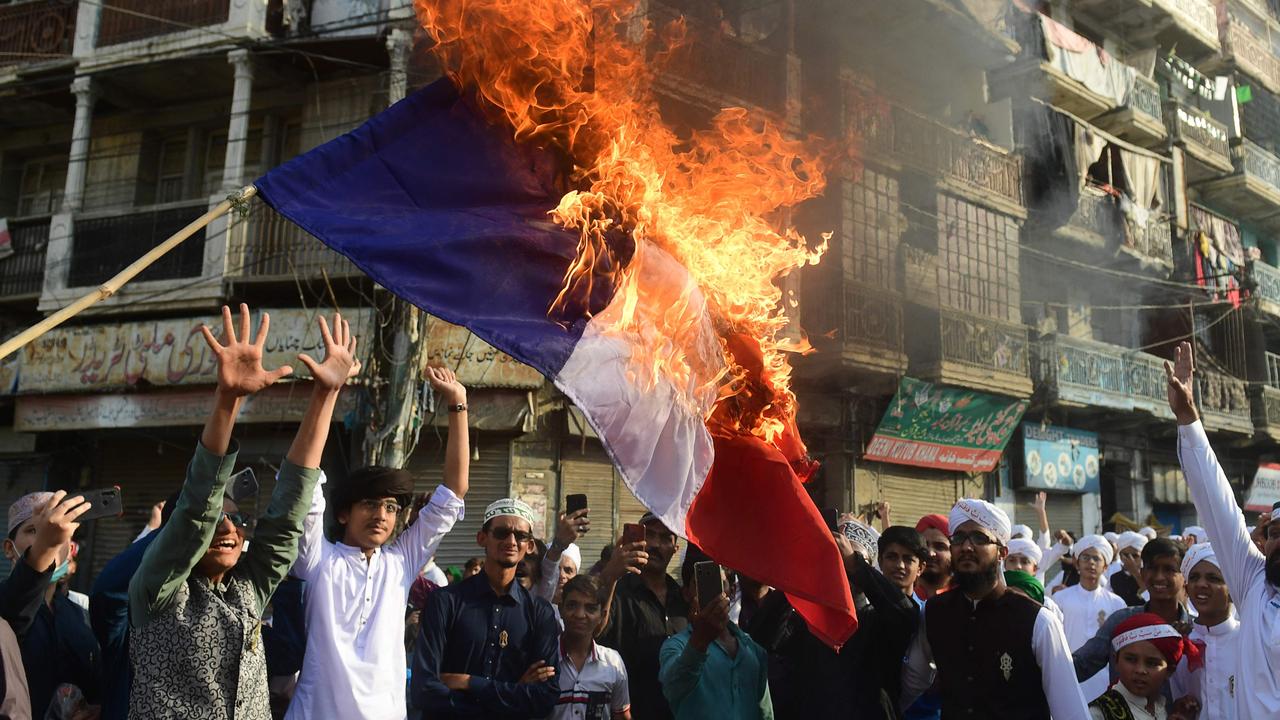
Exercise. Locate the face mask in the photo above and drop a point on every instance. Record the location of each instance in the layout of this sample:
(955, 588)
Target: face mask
(60, 572)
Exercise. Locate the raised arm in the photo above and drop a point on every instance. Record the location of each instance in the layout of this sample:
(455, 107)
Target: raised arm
(183, 540)
(22, 591)
(457, 451)
(1042, 499)
(1243, 565)
(568, 530)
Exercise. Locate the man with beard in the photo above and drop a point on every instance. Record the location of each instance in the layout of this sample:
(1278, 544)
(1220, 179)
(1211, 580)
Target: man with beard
(1253, 578)
(487, 647)
(935, 578)
(998, 653)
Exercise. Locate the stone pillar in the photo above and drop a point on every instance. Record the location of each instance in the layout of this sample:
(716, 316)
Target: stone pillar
(398, 44)
(88, 18)
(73, 197)
(238, 129)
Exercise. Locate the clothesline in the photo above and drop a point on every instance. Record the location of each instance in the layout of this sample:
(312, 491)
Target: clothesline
(1108, 136)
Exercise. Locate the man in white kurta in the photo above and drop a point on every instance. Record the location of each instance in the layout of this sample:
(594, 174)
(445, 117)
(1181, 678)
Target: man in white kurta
(1252, 577)
(1087, 605)
(358, 588)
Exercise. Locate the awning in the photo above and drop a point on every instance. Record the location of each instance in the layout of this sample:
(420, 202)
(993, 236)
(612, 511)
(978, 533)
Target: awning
(933, 426)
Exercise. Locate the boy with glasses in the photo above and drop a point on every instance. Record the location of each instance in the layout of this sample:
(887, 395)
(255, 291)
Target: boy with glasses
(358, 587)
(487, 647)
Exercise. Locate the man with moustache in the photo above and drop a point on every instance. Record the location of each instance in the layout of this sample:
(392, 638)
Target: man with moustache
(936, 576)
(998, 653)
(1252, 577)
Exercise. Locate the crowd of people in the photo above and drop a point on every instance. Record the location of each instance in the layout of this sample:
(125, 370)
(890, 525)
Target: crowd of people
(330, 604)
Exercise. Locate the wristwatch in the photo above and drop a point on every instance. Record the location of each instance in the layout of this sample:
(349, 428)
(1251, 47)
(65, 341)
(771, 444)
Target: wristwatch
(460, 407)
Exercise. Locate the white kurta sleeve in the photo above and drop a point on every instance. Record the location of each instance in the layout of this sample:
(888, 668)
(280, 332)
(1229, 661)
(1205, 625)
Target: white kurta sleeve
(1057, 673)
(417, 544)
(1243, 565)
(918, 671)
(311, 544)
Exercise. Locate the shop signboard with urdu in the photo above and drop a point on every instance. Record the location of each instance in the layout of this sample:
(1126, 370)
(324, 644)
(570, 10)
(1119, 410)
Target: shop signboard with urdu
(933, 426)
(1059, 458)
(1266, 489)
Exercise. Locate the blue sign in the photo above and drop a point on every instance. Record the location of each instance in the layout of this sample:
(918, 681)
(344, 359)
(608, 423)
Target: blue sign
(1058, 458)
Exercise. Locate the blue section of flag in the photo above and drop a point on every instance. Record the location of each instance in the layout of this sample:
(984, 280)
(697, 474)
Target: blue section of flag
(446, 211)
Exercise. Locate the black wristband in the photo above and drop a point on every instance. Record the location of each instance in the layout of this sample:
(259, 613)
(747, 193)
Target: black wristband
(460, 407)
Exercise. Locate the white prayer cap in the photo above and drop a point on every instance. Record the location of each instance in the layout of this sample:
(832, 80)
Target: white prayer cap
(1148, 532)
(1111, 537)
(1027, 549)
(983, 513)
(515, 507)
(1130, 539)
(1176, 538)
(1195, 555)
(1021, 531)
(1201, 535)
(1094, 542)
(573, 554)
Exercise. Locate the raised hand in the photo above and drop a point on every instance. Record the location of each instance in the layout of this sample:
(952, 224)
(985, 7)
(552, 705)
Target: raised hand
(445, 383)
(340, 363)
(240, 370)
(1182, 389)
(626, 559)
(572, 526)
(55, 523)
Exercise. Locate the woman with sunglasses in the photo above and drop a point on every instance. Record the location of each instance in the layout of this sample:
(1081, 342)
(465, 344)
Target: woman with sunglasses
(196, 602)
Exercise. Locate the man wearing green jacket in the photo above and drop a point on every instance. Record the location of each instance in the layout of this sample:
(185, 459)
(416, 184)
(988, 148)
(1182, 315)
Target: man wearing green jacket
(196, 602)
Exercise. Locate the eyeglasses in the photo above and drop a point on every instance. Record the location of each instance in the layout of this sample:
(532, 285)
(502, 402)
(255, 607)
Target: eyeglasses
(1090, 559)
(501, 534)
(239, 519)
(373, 506)
(978, 539)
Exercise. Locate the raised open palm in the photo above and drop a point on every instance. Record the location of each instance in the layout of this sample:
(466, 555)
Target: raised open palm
(240, 370)
(340, 361)
(1182, 389)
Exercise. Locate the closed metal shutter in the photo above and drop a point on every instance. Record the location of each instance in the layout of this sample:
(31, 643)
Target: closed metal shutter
(489, 480)
(1063, 510)
(587, 469)
(911, 494)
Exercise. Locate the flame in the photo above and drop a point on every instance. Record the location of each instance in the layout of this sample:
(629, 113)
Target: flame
(578, 76)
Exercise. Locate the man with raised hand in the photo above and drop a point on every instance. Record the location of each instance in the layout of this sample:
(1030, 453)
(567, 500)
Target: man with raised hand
(1253, 577)
(357, 588)
(196, 602)
(998, 653)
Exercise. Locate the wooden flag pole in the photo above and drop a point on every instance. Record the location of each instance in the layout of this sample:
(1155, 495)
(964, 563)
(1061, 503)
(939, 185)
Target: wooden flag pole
(110, 287)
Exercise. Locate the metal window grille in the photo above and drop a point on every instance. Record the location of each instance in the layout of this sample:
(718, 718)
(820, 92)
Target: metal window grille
(871, 229)
(977, 260)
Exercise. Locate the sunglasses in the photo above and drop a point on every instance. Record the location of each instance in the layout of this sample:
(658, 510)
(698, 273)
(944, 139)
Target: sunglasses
(501, 534)
(239, 519)
(979, 539)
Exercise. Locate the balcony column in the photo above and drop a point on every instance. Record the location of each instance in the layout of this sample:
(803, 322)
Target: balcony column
(238, 129)
(73, 195)
(398, 44)
(88, 18)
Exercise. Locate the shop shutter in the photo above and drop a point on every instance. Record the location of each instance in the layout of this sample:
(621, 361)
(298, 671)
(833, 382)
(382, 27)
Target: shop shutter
(147, 471)
(1063, 510)
(586, 468)
(489, 480)
(911, 495)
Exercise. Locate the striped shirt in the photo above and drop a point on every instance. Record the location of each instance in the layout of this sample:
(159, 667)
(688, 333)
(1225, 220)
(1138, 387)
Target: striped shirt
(596, 692)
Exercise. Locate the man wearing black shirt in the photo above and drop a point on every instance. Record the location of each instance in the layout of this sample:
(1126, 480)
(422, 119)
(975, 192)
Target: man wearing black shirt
(487, 648)
(647, 608)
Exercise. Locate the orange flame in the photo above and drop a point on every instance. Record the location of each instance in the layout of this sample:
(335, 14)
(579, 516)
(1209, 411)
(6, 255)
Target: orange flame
(578, 75)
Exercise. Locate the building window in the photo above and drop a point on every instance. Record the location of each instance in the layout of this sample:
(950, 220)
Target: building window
(1168, 485)
(41, 189)
(871, 229)
(977, 260)
(171, 170)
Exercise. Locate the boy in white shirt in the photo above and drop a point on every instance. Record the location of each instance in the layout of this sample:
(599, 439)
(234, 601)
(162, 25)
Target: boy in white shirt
(593, 679)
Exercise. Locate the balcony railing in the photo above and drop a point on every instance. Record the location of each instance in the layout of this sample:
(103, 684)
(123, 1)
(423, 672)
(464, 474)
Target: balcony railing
(1266, 410)
(1088, 372)
(128, 20)
(103, 246)
(1273, 370)
(1145, 97)
(1250, 159)
(877, 127)
(37, 31)
(1266, 283)
(266, 246)
(1192, 125)
(872, 316)
(984, 344)
(1224, 402)
(1252, 54)
(22, 273)
(1097, 215)
(1154, 241)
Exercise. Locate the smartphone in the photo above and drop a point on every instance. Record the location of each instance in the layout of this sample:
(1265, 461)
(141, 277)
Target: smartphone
(106, 502)
(243, 485)
(830, 515)
(709, 582)
(632, 533)
(574, 503)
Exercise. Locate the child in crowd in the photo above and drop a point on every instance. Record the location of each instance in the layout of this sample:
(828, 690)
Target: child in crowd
(1147, 650)
(593, 679)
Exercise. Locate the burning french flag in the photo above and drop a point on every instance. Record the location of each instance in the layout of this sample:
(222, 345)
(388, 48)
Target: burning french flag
(444, 205)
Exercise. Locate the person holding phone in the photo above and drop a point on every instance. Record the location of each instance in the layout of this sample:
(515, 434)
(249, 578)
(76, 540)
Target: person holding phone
(57, 644)
(563, 558)
(197, 600)
(357, 586)
(712, 668)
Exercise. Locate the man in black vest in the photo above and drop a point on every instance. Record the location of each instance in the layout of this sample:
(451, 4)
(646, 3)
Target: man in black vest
(999, 654)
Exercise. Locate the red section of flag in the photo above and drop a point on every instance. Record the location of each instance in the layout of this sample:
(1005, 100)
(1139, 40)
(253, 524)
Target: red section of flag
(754, 516)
